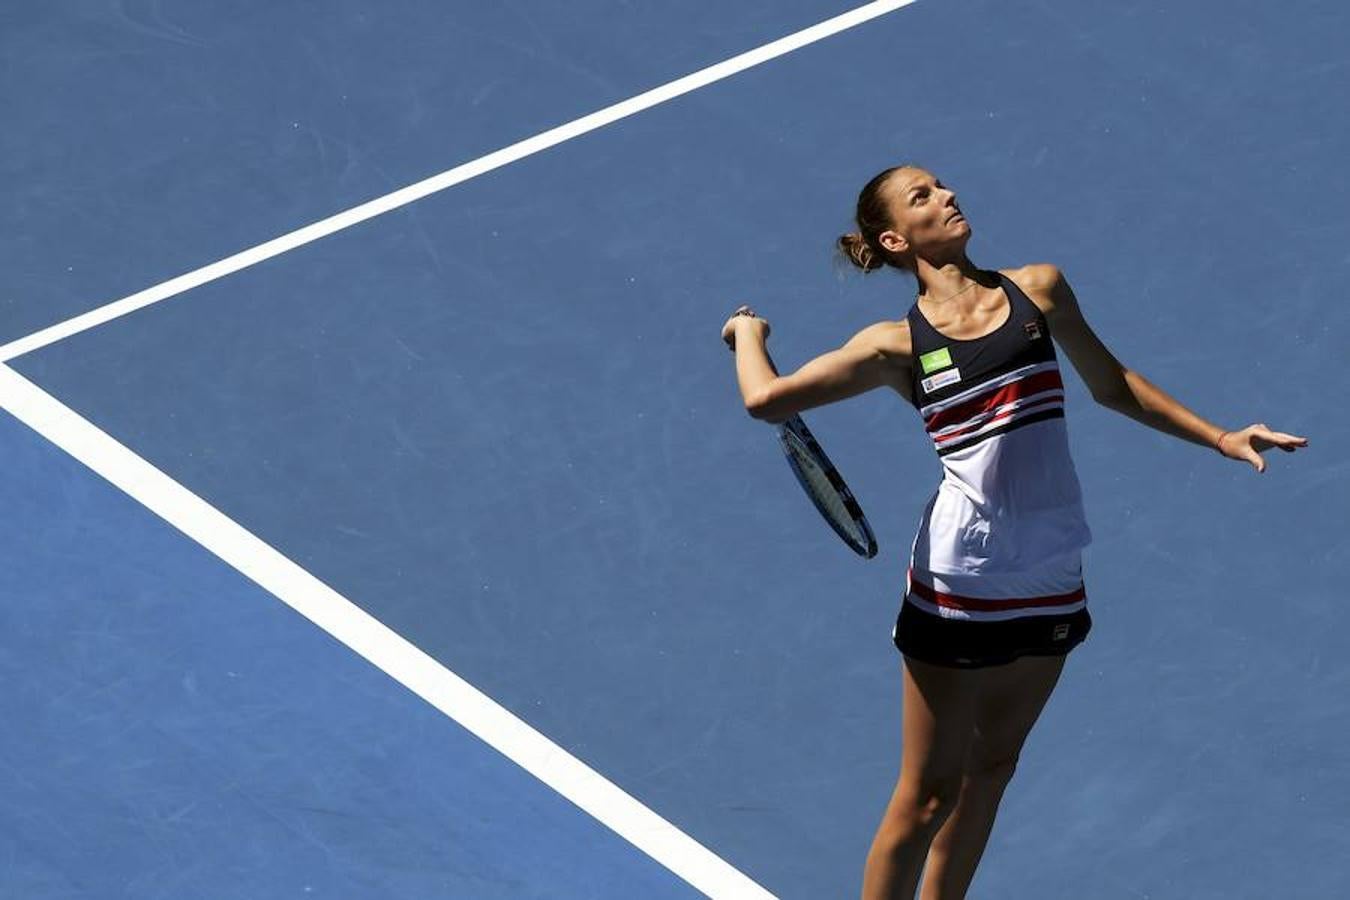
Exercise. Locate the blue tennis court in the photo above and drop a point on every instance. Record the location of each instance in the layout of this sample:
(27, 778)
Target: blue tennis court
(493, 434)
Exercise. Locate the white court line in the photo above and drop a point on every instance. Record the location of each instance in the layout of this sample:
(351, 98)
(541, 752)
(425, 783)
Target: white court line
(383, 647)
(449, 178)
(322, 605)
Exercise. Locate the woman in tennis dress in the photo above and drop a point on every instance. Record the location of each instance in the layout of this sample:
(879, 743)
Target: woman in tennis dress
(994, 599)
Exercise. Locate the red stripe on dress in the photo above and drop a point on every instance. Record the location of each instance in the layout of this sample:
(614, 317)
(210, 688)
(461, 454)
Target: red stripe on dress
(1046, 401)
(1013, 390)
(979, 604)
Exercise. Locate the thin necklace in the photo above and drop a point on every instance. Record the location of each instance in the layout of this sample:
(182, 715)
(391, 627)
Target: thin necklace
(958, 293)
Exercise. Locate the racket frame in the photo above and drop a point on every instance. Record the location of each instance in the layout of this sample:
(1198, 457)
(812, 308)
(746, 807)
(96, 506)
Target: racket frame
(795, 429)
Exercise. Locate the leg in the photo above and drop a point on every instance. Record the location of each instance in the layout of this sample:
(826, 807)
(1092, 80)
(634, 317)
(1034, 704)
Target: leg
(938, 727)
(1006, 709)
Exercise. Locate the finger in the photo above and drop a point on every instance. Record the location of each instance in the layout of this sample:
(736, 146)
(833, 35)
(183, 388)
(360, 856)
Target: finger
(1286, 442)
(1289, 442)
(1293, 439)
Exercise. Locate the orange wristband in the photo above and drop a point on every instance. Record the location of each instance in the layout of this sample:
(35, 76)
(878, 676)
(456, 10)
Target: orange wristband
(1218, 444)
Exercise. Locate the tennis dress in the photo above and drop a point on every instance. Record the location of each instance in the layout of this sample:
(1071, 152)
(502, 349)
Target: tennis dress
(1001, 538)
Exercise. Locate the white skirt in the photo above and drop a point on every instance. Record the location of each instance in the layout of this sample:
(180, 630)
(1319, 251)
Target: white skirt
(1053, 588)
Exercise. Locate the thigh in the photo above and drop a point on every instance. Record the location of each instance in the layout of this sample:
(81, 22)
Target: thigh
(939, 716)
(1008, 706)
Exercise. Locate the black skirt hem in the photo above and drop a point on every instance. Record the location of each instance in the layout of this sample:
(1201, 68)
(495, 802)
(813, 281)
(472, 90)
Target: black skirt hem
(970, 644)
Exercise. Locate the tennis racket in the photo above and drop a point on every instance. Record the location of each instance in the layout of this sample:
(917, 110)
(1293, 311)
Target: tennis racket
(824, 485)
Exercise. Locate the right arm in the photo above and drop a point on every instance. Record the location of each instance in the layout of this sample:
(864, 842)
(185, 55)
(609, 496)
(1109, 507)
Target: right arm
(879, 355)
(1128, 392)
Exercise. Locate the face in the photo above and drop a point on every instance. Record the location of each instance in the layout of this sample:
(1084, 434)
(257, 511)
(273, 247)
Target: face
(926, 218)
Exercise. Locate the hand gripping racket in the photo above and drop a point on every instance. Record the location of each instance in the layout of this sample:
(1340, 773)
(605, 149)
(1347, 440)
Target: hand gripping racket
(824, 485)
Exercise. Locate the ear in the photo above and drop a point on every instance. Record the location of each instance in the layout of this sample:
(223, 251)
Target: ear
(893, 241)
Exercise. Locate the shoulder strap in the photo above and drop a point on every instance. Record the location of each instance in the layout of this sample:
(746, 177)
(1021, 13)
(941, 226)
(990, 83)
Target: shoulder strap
(923, 339)
(1022, 307)
(923, 335)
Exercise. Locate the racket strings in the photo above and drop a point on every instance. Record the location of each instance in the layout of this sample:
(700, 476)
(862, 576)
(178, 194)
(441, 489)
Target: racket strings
(827, 490)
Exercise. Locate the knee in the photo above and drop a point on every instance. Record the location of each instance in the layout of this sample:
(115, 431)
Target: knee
(925, 804)
(992, 769)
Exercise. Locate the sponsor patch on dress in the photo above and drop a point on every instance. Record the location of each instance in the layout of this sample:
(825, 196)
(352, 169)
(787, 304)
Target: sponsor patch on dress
(1033, 330)
(942, 379)
(935, 359)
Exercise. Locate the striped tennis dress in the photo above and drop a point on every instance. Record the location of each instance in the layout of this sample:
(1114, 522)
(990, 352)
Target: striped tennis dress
(1002, 536)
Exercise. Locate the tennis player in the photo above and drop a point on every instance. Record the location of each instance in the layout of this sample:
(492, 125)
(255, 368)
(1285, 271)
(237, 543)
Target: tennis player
(994, 598)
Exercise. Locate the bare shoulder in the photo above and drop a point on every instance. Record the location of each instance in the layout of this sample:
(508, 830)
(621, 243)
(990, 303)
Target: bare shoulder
(891, 339)
(891, 342)
(1044, 285)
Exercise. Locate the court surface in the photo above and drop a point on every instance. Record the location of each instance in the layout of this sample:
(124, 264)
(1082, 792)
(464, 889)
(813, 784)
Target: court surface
(497, 423)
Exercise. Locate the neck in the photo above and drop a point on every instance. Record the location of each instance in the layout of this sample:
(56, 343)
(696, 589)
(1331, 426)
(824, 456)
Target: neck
(939, 278)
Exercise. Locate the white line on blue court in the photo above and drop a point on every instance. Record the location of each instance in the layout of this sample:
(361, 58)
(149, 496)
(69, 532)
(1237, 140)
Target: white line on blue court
(334, 613)
(370, 638)
(448, 178)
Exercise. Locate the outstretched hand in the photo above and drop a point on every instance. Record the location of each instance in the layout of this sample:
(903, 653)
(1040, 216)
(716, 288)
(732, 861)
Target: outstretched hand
(1249, 443)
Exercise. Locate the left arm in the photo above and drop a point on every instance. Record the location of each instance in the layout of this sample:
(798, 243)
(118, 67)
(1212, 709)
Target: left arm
(1126, 391)
(870, 359)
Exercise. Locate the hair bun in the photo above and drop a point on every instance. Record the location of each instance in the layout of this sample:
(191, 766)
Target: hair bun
(855, 248)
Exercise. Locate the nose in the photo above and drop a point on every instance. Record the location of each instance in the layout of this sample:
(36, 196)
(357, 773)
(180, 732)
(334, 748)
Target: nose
(949, 204)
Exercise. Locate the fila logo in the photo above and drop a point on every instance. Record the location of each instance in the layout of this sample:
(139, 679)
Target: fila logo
(1061, 632)
(1033, 330)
